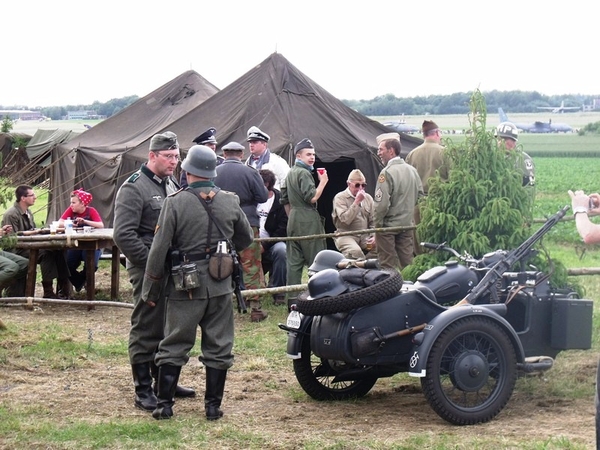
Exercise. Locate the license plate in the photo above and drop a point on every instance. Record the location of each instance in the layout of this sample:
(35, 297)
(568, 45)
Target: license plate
(293, 320)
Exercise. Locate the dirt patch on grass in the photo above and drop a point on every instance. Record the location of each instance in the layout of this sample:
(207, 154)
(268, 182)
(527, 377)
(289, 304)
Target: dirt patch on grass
(264, 395)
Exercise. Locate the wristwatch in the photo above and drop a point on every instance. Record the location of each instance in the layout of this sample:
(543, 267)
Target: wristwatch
(580, 209)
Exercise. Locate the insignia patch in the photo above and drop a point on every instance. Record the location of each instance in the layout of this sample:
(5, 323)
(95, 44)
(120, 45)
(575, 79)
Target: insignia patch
(381, 179)
(133, 178)
(378, 195)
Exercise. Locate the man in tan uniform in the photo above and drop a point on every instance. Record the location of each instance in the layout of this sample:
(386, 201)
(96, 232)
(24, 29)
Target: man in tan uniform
(428, 159)
(353, 210)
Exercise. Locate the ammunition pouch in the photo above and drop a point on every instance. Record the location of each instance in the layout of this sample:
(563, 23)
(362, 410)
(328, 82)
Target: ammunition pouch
(186, 277)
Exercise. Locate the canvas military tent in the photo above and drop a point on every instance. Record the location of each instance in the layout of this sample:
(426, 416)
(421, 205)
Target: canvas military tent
(289, 106)
(101, 157)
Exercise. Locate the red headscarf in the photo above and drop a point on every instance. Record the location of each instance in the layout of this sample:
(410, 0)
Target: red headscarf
(85, 197)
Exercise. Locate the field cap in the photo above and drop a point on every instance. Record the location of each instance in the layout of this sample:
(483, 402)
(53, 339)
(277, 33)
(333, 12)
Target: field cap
(233, 147)
(428, 125)
(304, 143)
(164, 141)
(387, 137)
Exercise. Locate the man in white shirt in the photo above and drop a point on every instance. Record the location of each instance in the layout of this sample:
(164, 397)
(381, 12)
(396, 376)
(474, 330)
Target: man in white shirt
(262, 158)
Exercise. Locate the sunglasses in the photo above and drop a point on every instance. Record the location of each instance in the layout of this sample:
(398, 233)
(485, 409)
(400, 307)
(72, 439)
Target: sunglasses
(357, 185)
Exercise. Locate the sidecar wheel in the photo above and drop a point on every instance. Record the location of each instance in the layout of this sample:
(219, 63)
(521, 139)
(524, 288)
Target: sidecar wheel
(355, 299)
(315, 376)
(471, 371)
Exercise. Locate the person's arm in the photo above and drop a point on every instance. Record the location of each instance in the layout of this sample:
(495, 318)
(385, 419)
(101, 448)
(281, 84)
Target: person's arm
(323, 179)
(94, 221)
(580, 203)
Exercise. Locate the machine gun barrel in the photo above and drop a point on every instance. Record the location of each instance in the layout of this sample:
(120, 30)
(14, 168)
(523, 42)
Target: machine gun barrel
(496, 272)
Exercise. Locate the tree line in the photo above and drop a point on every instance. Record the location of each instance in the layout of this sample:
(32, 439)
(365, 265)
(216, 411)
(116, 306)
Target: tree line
(458, 103)
(383, 105)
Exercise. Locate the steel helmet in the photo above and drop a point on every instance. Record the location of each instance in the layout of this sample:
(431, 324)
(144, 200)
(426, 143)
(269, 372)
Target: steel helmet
(325, 259)
(507, 130)
(326, 283)
(200, 161)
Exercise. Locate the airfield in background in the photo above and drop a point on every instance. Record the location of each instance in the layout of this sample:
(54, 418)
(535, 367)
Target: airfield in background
(448, 122)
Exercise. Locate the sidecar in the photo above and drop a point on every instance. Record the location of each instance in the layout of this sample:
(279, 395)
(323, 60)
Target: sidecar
(468, 357)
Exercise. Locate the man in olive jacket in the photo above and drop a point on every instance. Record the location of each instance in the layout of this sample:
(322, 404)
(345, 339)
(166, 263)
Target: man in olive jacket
(184, 225)
(397, 192)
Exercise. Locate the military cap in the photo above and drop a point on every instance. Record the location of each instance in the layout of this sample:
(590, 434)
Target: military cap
(387, 136)
(233, 147)
(304, 143)
(255, 134)
(164, 141)
(208, 137)
(428, 125)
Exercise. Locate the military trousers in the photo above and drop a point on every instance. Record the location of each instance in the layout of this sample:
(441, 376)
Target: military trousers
(147, 323)
(250, 258)
(215, 318)
(394, 250)
(13, 270)
(303, 222)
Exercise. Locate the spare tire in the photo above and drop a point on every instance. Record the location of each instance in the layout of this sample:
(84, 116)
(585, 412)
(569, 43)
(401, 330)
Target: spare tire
(371, 295)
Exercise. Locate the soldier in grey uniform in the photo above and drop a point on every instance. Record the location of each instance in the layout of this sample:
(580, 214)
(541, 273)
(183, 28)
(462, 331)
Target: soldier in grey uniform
(137, 207)
(508, 134)
(397, 192)
(184, 225)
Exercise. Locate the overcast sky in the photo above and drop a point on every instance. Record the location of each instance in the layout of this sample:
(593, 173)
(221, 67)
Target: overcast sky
(72, 52)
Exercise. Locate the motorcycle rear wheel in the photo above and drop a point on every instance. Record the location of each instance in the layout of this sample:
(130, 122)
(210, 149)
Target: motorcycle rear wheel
(315, 376)
(471, 371)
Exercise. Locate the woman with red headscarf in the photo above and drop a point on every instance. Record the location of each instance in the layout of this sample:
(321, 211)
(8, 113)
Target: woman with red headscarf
(82, 215)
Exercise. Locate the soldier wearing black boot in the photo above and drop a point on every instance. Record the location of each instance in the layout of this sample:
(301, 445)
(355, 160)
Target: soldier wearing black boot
(185, 226)
(137, 208)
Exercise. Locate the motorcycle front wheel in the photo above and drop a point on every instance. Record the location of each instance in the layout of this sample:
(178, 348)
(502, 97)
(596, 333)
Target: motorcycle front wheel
(316, 376)
(471, 371)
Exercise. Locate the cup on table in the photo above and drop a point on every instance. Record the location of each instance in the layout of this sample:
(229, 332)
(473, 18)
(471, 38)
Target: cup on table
(87, 230)
(321, 170)
(53, 227)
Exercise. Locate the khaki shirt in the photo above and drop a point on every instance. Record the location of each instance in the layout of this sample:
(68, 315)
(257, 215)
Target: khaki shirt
(347, 216)
(428, 158)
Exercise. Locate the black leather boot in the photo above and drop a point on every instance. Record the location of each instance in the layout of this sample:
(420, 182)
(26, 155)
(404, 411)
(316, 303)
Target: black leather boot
(48, 290)
(142, 380)
(168, 376)
(215, 386)
(180, 391)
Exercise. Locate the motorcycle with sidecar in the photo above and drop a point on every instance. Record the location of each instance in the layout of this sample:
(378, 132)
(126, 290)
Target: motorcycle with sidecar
(356, 325)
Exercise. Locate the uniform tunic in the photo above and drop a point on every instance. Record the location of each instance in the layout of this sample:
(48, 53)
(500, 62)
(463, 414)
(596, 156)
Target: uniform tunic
(348, 216)
(183, 225)
(303, 220)
(137, 207)
(248, 185)
(396, 194)
(428, 158)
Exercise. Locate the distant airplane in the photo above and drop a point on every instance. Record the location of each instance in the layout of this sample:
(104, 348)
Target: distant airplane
(402, 127)
(537, 126)
(559, 109)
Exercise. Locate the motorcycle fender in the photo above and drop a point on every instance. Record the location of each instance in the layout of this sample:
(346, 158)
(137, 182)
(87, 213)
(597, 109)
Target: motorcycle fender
(423, 341)
(294, 341)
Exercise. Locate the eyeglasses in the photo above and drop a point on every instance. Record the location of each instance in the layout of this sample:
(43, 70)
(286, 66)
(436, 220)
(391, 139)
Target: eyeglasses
(169, 157)
(31, 195)
(357, 185)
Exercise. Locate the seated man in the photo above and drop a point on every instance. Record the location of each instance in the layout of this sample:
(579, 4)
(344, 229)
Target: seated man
(82, 215)
(52, 262)
(13, 268)
(352, 211)
(273, 223)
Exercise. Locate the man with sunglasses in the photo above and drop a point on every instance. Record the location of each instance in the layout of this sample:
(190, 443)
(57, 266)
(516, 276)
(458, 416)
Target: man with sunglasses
(137, 208)
(353, 211)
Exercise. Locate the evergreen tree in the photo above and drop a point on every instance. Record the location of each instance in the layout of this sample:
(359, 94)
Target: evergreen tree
(482, 206)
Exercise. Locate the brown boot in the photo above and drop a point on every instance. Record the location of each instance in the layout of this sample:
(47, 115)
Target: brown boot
(279, 299)
(257, 314)
(48, 291)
